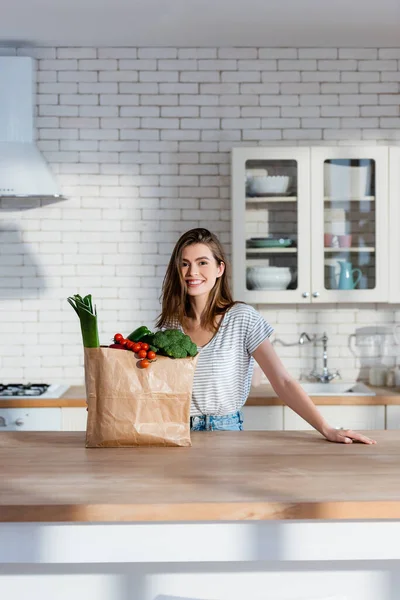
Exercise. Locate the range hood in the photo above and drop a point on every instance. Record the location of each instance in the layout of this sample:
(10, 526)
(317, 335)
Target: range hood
(23, 170)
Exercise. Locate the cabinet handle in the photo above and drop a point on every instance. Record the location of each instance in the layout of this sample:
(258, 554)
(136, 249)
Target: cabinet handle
(315, 294)
(3, 422)
(19, 422)
(305, 294)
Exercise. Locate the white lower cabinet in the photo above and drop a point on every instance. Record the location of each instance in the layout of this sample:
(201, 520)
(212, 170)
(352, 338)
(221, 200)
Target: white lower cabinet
(73, 419)
(255, 418)
(30, 419)
(348, 417)
(262, 418)
(393, 417)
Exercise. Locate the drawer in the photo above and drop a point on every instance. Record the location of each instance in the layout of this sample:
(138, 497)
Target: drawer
(30, 419)
(348, 417)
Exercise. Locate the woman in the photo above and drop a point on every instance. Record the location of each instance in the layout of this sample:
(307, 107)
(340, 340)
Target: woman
(196, 299)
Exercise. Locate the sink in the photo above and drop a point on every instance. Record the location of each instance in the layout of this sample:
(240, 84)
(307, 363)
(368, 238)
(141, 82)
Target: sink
(336, 389)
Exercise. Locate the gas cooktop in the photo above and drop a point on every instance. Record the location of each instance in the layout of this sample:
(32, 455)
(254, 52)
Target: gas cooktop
(32, 390)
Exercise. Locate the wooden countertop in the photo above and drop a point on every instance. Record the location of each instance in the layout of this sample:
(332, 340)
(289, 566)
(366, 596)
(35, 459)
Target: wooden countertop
(51, 476)
(263, 395)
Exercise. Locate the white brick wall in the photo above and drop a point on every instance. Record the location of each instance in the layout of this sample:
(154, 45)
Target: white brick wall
(140, 140)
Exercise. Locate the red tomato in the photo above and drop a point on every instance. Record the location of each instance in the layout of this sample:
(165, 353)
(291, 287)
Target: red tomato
(145, 346)
(151, 355)
(136, 347)
(142, 354)
(144, 363)
(118, 337)
(129, 345)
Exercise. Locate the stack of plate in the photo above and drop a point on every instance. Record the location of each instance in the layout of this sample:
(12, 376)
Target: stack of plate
(269, 242)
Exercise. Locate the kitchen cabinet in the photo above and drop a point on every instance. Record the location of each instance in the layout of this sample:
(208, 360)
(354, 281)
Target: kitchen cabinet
(348, 417)
(393, 417)
(262, 418)
(394, 230)
(310, 224)
(30, 419)
(73, 419)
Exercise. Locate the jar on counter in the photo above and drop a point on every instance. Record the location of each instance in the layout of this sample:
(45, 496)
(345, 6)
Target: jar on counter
(377, 376)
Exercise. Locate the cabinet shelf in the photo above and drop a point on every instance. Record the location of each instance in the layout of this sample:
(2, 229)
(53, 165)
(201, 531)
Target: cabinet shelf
(271, 250)
(351, 249)
(263, 199)
(360, 199)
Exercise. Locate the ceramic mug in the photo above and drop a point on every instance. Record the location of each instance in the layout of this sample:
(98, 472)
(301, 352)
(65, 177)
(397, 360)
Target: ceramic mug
(331, 240)
(345, 240)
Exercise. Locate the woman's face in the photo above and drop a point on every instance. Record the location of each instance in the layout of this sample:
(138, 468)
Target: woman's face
(200, 269)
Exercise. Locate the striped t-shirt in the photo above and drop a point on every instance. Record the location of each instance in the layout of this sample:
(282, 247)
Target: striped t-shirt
(224, 369)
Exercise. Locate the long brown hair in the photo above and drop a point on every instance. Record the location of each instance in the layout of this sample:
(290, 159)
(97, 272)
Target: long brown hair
(175, 301)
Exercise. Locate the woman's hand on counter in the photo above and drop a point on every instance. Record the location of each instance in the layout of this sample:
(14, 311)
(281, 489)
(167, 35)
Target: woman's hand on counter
(346, 436)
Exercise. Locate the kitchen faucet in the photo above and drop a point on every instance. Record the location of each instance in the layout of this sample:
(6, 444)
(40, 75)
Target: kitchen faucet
(325, 376)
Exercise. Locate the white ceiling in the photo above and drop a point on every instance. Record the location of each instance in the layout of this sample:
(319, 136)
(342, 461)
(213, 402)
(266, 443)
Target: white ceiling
(307, 23)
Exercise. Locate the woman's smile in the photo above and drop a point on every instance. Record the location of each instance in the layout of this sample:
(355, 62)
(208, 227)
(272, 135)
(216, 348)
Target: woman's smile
(194, 282)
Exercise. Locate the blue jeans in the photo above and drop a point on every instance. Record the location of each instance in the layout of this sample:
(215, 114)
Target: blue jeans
(233, 422)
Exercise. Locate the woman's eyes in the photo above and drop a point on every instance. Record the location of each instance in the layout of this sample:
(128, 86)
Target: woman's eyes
(202, 263)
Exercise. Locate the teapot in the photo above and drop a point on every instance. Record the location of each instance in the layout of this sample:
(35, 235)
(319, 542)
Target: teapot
(346, 279)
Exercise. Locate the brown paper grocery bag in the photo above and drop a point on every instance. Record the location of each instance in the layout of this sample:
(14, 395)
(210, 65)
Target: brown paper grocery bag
(130, 406)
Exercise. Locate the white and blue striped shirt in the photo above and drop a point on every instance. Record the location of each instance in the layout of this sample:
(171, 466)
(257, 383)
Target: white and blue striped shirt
(225, 365)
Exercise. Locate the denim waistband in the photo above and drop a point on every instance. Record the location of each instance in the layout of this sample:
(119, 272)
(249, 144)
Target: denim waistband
(234, 414)
(231, 421)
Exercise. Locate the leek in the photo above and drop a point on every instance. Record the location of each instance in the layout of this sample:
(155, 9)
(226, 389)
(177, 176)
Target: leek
(88, 318)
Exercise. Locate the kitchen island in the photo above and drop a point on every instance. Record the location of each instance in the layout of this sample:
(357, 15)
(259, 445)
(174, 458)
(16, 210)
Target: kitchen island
(255, 515)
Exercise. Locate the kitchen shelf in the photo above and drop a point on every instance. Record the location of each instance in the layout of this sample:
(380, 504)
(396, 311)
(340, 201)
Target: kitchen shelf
(360, 199)
(351, 249)
(271, 250)
(263, 199)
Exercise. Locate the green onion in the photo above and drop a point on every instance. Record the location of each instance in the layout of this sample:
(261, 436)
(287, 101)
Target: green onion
(88, 318)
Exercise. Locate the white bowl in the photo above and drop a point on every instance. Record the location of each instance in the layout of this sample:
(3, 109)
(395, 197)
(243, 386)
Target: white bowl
(273, 184)
(268, 278)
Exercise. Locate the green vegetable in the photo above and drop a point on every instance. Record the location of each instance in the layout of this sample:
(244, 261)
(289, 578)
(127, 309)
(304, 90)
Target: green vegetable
(139, 334)
(174, 343)
(88, 318)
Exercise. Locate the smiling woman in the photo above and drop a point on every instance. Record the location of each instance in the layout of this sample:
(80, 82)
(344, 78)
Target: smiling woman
(196, 299)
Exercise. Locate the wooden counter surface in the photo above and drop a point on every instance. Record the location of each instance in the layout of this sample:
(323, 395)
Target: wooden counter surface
(51, 476)
(263, 395)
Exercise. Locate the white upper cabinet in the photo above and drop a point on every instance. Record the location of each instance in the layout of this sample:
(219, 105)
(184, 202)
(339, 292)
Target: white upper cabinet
(349, 224)
(270, 212)
(394, 229)
(311, 224)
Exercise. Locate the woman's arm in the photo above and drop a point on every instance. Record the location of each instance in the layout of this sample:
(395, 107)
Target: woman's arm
(291, 392)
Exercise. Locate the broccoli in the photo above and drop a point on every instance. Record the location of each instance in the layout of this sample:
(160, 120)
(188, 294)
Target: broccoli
(174, 343)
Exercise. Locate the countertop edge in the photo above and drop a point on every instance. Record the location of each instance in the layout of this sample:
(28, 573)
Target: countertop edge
(264, 395)
(225, 511)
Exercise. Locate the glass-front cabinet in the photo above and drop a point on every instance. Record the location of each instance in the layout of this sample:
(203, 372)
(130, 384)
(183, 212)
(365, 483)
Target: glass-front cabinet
(349, 224)
(310, 224)
(270, 210)
(394, 227)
